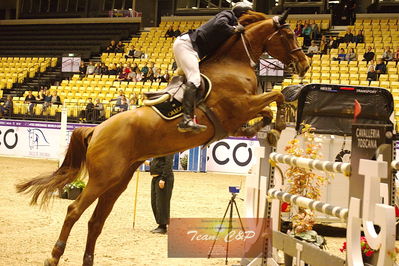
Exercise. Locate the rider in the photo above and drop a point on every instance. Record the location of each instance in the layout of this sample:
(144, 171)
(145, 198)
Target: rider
(197, 44)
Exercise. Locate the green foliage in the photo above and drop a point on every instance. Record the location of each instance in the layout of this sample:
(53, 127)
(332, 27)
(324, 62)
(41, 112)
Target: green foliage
(78, 183)
(184, 161)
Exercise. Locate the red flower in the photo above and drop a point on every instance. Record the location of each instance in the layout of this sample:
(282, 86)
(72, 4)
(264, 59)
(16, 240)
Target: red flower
(369, 253)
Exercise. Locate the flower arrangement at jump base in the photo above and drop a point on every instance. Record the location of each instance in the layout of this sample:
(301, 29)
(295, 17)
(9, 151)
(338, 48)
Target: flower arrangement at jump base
(367, 252)
(305, 182)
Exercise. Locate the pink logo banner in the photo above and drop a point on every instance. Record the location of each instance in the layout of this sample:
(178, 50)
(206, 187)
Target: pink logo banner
(210, 238)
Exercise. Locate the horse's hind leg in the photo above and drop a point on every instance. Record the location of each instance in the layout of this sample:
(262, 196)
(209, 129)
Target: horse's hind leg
(100, 214)
(75, 210)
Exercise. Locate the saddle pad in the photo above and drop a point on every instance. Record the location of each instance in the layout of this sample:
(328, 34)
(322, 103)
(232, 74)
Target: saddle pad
(170, 110)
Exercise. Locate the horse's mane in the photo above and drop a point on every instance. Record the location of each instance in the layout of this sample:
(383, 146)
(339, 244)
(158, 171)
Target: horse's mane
(251, 17)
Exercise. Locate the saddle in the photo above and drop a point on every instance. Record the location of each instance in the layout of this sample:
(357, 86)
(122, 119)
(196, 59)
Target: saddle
(167, 103)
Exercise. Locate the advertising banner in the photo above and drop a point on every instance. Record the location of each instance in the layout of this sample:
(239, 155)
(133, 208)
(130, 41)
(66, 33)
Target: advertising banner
(232, 155)
(32, 139)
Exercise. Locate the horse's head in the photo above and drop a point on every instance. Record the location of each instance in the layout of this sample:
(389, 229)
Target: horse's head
(282, 44)
(277, 38)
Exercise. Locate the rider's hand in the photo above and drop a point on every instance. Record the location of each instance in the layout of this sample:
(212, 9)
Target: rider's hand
(161, 184)
(239, 28)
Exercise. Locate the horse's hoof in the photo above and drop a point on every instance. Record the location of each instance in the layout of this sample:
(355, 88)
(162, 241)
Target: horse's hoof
(50, 262)
(272, 137)
(88, 260)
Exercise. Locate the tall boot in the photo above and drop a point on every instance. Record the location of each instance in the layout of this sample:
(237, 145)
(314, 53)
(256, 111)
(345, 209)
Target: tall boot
(189, 99)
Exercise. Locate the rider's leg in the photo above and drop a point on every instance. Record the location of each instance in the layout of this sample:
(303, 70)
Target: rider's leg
(187, 59)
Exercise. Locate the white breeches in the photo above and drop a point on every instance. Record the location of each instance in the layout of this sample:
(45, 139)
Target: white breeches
(187, 59)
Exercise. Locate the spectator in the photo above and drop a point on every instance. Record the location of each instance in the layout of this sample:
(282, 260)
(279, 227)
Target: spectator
(341, 55)
(123, 106)
(351, 55)
(46, 101)
(298, 30)
(133, 102)
(396, 56)
(144, 70)
(139, 76)
(41, 95)
(90, 69)
(7, 107)
(387, 55)
(161, 191)
(82, 68)
(30, 99)
(334, 43)
(177, 32)
(120, 47)
(130, 53)
(87, 114)
(170, 33)
(134, 67)
(174, 66)
(348, 36)
(359, 38)
(124, 75)
(154, 68)
(306, 33)
(371, 74)
(369, 55)
(98, 110)
(119, 98)
(323, 45)
(97, 69)
(111, 48)
(112, 70)
(55, 99)
(315, 30)
(149, 76)
(103, 69)
(313, 49)
(300, 24)
(381, 68)
(119, 69)
(157, 75)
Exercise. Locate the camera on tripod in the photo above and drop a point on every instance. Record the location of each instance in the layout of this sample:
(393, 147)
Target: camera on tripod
(234, 189)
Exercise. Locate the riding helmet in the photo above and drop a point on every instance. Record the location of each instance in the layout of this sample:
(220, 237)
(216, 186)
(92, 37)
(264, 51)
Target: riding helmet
(241, 8)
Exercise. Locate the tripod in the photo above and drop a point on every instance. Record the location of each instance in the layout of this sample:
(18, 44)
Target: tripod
(229, 207)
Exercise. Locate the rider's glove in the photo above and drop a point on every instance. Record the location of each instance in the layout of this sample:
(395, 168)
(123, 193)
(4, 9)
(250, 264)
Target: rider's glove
(239, 28)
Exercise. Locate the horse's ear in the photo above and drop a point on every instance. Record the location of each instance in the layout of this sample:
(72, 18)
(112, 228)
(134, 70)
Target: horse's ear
(283, 17)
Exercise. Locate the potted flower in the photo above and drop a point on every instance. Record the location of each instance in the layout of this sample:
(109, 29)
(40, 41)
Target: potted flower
(367, 252)
(73, 190)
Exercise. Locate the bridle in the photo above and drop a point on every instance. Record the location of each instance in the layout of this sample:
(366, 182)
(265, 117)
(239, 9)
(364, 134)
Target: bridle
(269, 37)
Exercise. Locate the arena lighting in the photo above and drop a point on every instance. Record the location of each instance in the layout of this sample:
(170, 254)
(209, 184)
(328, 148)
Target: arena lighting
(347, 88)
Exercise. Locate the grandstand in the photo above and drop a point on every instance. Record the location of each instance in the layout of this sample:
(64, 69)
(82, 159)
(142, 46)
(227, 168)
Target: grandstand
(33, 50)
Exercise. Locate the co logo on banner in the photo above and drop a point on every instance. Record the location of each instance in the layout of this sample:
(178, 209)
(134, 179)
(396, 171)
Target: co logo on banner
(237, 147)
(10, 142)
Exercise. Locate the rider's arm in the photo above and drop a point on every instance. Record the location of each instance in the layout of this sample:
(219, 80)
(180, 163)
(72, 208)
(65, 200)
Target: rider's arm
(222, 23)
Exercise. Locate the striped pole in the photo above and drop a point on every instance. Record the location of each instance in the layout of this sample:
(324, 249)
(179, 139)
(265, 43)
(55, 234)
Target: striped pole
(335, 167)
(309, 203)
(395, 164)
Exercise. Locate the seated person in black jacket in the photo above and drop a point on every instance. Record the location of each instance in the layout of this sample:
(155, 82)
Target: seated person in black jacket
(111, 48)
(130, 53)
(170, 33)
(369, 55)
(87, 114)
(380, 68)
(197, 44)
(177, 32)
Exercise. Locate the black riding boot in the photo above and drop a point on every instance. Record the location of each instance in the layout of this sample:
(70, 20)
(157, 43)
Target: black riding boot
(189, 98)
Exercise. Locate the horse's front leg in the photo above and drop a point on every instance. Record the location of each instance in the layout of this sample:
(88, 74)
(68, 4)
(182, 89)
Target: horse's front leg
(260, 101)
(250, 131)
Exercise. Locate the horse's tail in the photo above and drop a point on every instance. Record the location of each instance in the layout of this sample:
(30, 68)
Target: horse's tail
(71, 168)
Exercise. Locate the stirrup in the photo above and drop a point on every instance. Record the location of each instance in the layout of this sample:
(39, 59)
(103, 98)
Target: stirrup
(190, 126)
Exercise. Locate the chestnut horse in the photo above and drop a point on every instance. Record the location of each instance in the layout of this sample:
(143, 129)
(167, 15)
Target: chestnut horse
(113, 150)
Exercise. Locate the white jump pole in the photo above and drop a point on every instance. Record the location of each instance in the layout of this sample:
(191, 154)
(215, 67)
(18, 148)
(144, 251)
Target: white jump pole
(327, 166)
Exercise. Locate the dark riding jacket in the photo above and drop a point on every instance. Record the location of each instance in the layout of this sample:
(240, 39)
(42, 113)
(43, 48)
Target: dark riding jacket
(207, 38)
(162, 166)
